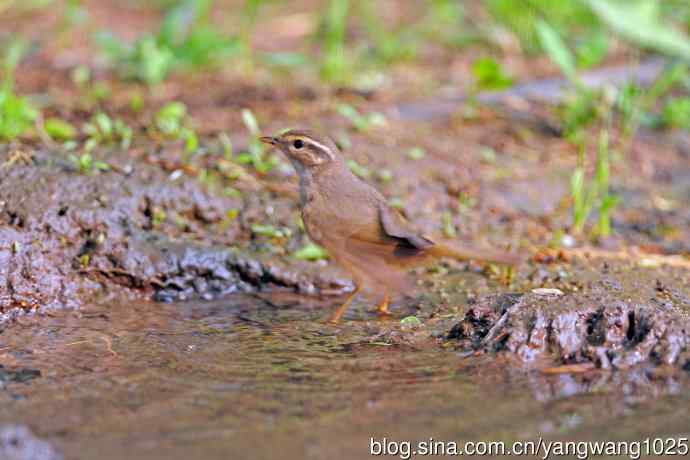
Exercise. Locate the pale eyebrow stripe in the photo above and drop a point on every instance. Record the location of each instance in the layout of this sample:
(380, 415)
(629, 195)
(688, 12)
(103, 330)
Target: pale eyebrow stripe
(320, 145)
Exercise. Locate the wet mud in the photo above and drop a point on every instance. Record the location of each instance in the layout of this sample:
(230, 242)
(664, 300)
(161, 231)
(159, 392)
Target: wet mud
(588, 312)
(69, 238)
(608, 332)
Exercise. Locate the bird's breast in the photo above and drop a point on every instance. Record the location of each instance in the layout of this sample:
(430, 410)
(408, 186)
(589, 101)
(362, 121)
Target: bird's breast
(312, 219)
(335, 206)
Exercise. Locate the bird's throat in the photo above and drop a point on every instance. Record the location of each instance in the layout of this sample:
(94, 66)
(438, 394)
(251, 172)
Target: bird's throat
(305, 181)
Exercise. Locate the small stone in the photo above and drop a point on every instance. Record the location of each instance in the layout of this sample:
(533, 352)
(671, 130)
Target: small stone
(17, 442)
(568, 241)
(546, 292)
(648, 262)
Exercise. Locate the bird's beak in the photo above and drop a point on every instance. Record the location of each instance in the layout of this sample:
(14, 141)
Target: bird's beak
(269, 140)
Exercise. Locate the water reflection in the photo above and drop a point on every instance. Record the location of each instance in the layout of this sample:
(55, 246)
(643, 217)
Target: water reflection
(204, 380)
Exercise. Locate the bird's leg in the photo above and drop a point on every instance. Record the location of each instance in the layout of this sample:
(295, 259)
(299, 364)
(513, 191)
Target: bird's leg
(383, 306)
(343, 308)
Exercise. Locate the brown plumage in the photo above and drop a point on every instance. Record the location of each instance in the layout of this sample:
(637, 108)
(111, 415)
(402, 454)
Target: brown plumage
(355, 224)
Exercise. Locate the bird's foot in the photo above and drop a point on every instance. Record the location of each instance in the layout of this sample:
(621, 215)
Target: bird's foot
(382, 309)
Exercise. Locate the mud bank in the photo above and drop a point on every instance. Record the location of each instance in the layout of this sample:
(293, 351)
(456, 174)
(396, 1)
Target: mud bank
(604, 328)
(70, 236)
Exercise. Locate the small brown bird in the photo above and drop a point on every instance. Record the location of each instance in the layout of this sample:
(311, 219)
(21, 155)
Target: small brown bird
(355, 224)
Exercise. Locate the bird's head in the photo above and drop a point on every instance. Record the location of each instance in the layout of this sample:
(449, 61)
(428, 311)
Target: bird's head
(304, 149)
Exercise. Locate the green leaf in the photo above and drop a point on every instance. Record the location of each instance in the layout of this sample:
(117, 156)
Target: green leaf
(359, 121)
(555, 48)
(676, 113)
(250, 122)
(101, 165)
(639, 21)
(169, 118)
(80, 75)
(449, 230)
(397, 203)
(16, 115)
(592, 50)
(577, 181)
(358, 169)
(348, 112)
(270, 231)
(59, 130)
(334, 63)
(385, 175)
(410, 321)
(311, 252)
(102, 129)
(150, 62)
(608, 202)
(490, 75)
(104, 124)
(111, 46)
(204, 45)
(191, 140)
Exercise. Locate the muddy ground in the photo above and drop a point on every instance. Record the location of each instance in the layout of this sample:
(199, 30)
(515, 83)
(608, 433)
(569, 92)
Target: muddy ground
(143, 316)
(150, 228)
(73, 237)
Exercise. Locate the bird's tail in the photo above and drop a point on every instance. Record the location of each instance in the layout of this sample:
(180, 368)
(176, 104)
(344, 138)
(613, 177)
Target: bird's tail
(455, 251)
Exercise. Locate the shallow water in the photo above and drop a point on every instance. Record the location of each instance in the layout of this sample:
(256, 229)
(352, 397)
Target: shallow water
(250, 378)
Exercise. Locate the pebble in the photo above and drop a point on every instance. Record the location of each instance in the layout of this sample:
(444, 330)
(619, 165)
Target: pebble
(548, 292)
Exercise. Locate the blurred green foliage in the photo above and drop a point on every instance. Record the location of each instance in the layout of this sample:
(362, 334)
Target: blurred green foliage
(171, 121)
(489, 75)
(588, 194)
(311, 252)
(355, 39)
(361, 122)
(641, 22)
(521, 17)
(255, 153)
(184, 40)
(86, 164)
(334, 24)
(104, 130)
(676, 113)
(17, 115)
(59, 130)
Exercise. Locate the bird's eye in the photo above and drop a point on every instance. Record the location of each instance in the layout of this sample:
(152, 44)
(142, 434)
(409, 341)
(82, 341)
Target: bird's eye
(298, 144)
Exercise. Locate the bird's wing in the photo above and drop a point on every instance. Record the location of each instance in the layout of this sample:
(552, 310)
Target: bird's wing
(394, 226)
(387, 236)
